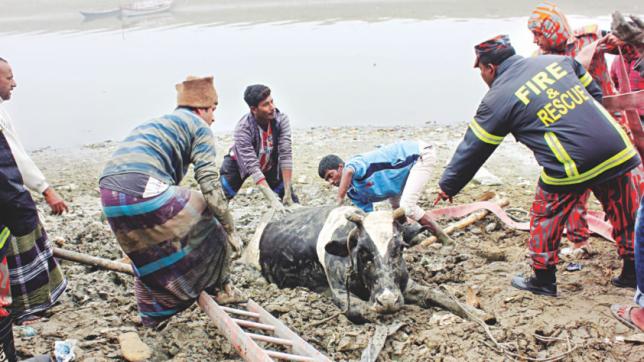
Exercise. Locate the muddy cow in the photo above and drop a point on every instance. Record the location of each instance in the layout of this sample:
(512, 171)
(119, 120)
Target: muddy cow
(341, 250)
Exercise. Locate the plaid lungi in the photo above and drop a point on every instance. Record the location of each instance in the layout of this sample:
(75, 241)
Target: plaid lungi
(37, 280)
(176, 246)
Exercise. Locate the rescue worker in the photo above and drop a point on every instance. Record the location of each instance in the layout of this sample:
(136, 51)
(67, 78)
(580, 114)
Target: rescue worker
(553, 34)
(542, 101)
(633, 316)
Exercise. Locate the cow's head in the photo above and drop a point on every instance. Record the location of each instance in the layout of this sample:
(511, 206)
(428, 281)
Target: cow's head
(374, 245)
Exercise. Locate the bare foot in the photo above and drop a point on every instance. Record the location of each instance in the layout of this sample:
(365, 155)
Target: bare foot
(229, 295)
(577, 251)
(637, 316)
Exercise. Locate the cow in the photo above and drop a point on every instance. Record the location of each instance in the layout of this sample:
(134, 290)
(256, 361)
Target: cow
(356, 256)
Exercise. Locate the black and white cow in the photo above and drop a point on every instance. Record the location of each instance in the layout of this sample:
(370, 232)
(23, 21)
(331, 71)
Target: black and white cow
(316, 248)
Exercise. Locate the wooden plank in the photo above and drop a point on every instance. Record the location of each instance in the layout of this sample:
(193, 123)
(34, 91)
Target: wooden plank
(249, 324)
(300, 346)
(116, 266)
(289, 357)
(269, 339)
(240, 312)
(243, 344)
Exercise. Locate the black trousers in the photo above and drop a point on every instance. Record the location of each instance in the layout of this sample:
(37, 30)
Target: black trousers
(231, 180)
(7, 349)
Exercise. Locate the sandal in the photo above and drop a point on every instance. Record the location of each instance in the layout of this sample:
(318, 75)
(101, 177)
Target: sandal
(28, 319)
(625, 316)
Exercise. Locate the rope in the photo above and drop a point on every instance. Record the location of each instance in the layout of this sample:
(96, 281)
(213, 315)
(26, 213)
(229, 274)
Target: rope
(347, 273)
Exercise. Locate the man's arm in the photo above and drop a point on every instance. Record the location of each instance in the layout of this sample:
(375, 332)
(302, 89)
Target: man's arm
(32, 177)
(345, 182)
(202, 156)
(587, 81)
(485, 133)
(287, 175)
(245, 153)
(285, 156)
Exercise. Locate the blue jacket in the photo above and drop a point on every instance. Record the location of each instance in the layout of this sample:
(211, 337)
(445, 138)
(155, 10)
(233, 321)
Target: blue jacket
(551, 105)
(381, 174)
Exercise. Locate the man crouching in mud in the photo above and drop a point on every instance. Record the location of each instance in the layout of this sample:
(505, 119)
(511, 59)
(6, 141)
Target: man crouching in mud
(551, 105)
(179, 240)
(397, 172)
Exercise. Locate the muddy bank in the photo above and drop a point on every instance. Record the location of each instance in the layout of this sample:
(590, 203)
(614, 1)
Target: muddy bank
(98, 305)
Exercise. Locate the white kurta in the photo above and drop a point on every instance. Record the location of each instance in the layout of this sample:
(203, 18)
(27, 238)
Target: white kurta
(31, 174)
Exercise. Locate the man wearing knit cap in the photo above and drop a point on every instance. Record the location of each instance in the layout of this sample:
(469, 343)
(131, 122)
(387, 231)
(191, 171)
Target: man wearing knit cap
(262, 150)
(179, 240)
(543, 102)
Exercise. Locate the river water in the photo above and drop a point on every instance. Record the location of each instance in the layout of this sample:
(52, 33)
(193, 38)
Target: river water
(329, 63)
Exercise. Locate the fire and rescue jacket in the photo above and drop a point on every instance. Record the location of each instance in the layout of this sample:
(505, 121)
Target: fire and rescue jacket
(552, 105)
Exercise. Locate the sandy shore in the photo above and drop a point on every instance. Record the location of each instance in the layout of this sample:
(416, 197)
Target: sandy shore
(99, 305)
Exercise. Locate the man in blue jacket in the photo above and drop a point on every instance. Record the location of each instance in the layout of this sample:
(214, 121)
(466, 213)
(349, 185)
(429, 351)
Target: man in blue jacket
(397, 172)
(551, 104)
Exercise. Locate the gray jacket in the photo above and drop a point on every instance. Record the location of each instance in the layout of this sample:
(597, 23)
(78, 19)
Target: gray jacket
(247, 142)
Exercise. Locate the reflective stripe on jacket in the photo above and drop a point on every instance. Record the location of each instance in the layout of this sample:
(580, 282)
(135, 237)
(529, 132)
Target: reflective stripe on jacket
(550, 104)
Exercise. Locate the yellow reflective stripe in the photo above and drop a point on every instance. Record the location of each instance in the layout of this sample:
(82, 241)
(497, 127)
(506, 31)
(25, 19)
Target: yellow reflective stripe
(623, 156)
(561, 154)
(4, 235)
(483, 135)
(613, 122)
(586, 79)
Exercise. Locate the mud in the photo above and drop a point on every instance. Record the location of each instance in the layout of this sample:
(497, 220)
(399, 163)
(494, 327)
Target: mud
(99, 305)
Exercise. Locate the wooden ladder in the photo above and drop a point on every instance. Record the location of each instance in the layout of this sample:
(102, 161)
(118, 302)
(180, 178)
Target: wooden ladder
(269, 330)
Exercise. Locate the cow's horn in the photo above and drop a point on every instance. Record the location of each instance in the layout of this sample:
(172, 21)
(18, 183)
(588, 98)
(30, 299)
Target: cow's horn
(399, 213)
(355, 217)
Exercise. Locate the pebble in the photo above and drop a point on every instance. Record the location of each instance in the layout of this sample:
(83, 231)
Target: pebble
(486, 178)
(28, 331)
(132, 348)
(636, 338)
(476, 230)
(490, 227)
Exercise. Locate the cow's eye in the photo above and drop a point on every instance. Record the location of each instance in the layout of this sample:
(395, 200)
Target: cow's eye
(366, 256)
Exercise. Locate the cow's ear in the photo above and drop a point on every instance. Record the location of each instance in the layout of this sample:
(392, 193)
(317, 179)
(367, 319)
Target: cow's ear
(339, 247)
(411, 233)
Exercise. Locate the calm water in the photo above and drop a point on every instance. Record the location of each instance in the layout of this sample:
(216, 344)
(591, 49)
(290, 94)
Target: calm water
(328, 63)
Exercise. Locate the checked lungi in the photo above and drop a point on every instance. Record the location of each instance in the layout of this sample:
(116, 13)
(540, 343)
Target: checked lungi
(176, 246)
(36, 278)
(550, 212)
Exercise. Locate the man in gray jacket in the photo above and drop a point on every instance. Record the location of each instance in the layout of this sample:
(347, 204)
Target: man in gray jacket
(261, 149)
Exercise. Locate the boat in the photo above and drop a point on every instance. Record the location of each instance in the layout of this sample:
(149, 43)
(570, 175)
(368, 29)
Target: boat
(96, 13)
(139, 8)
